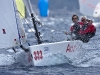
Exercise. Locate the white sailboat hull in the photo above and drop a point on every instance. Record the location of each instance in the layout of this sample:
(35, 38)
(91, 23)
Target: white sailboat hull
(70, 49)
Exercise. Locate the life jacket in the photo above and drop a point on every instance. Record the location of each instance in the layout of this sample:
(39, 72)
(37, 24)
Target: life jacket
(87, 29)
(84, 27)
(76, 27)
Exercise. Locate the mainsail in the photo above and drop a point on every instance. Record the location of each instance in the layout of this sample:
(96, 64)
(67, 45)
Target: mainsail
(10, 35)
(90, 7)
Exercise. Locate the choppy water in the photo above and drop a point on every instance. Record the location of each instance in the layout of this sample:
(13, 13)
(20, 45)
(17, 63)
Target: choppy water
(88, 63)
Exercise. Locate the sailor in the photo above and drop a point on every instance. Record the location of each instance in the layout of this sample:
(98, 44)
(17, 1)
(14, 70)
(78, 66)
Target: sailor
(83, 30)
(75, 28)
(87, 31)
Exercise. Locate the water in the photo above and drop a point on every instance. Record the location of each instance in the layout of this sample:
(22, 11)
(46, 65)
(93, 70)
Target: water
(88, 63)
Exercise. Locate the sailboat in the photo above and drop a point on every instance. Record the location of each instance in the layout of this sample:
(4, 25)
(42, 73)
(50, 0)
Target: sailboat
(13, 34)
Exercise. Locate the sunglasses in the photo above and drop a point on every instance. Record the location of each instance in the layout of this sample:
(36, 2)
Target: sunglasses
(74, 18)
(83, 20)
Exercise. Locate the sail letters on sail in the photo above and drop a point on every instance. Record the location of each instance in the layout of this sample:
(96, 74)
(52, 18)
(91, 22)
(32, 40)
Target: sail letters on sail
(91, 6)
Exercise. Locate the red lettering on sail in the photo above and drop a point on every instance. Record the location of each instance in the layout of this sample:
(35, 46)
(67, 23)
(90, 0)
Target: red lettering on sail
(91, 5)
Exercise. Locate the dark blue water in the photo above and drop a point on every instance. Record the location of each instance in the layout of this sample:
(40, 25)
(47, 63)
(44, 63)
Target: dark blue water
(64, 69)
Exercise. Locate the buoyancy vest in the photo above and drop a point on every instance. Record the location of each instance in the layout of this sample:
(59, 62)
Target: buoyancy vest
(84, 27)
(75, 28)
(87, 29)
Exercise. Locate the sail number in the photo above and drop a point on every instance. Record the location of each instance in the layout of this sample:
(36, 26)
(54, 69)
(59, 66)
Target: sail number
(38, 55)
(70, 48)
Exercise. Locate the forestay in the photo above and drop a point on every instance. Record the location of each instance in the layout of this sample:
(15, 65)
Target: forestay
(11, 31)
(90, 7)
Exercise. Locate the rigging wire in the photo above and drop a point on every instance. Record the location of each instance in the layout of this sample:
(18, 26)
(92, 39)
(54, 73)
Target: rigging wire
(38, 22)
(42, 26)
(28, 25)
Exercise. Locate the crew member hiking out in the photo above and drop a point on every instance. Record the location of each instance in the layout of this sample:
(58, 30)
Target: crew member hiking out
(83, 30)
(87, 31)
(75, 28)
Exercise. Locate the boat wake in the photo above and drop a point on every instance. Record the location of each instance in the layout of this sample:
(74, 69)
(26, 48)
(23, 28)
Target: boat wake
(48, 60)
(88, 58)
(85, 58)
(54, 59)
(6, 59)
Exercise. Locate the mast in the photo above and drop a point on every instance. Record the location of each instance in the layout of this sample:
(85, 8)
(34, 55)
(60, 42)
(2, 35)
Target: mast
(29, 8)
(35, 27)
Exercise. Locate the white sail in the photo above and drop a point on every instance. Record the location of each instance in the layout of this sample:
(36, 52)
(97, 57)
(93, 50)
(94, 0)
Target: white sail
(90, 7)
(9, 33)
